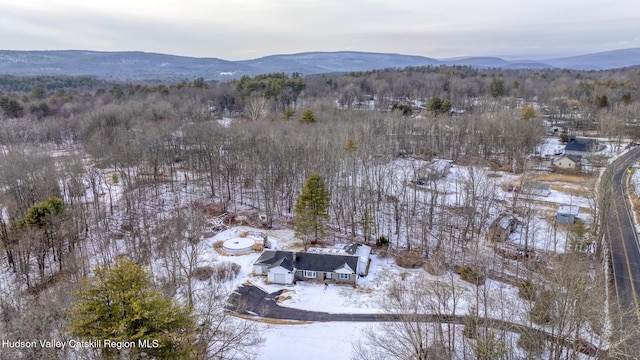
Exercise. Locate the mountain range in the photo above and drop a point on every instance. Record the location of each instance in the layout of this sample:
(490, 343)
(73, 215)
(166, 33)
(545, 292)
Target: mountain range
(139, 66)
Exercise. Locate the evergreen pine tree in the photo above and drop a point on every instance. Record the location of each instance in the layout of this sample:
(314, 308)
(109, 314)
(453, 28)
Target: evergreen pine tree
(120, 304)
(434, 105)
(308, 117)
(350, 146)
(528, 112)
(311, 209)
(497, 87)
(446, 106)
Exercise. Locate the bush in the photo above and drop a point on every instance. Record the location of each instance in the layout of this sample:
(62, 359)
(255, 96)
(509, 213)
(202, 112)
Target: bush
(435, 266)
(471, 275)
(470, 330)
(532, 343)
(225, 271)
(526, 290)
(409, 260)
(541, 313)
(203, 273)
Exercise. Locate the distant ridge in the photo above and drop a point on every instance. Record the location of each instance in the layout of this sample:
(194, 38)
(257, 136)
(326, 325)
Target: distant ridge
(138, 66)
(599, 61)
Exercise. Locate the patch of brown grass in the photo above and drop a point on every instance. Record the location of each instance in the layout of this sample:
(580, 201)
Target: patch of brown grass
(409, 260)
(472, 275)
(364, 290)
(567, 178)
(203, 273)
(51, 280)
(434, 267)
(636, 206)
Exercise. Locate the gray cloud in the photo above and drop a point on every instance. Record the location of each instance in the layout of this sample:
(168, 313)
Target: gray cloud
(239, 30)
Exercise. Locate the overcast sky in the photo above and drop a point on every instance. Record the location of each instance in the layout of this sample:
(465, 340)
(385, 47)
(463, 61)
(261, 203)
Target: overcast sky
(247, 29)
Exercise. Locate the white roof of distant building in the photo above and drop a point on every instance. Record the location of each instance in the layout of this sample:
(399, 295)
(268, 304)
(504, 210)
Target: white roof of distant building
(569, 209)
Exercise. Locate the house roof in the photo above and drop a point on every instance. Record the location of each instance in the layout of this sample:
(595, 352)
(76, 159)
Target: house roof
(270, 257)
(504, 223)
(345, 269)
(283, 262)
(574, 158)
(323, 262)
(576, 146)
(307, 261)
(348, 249)
(535, 186)
(580, 144)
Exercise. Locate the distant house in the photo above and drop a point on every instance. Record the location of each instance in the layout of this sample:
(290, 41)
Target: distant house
(501, 228)
(581, 146)
(535, 188)
(568, 162)
(567, 213)
(326, 265)
(436, 169)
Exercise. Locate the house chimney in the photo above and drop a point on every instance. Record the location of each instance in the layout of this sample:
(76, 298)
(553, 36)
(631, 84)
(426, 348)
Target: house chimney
(294, 256)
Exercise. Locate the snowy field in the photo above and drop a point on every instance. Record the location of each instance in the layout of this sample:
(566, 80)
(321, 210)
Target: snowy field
(335, 339)
(317, 341)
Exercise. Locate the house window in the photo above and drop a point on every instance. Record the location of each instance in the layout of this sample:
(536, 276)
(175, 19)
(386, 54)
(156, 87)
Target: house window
(343, 276)
(309, 274)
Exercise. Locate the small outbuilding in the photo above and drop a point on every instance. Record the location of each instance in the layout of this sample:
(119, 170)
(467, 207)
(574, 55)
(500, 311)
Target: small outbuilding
(535, 188)
(567, 213)
(501, 228)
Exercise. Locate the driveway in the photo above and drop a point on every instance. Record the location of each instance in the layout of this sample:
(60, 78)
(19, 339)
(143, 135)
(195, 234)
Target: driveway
(253, 301)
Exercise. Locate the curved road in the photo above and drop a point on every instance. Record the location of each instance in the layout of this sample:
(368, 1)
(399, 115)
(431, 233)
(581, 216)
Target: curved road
(622, 237)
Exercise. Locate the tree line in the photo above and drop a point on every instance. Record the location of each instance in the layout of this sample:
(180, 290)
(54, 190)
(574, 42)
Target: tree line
(99, 163)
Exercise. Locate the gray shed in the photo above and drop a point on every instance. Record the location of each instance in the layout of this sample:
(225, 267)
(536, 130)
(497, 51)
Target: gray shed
(567, 213)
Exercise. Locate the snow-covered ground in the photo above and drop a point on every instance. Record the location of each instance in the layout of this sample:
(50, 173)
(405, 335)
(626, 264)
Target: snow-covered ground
(334, 340)
(316, 341)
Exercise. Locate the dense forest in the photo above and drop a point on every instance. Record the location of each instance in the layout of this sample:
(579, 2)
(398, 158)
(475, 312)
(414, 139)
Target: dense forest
(91, 170)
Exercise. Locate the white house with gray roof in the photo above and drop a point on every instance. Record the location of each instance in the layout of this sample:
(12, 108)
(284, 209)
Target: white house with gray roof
(325, 265)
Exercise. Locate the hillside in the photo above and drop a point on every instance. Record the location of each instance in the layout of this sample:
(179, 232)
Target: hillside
(137, 66)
